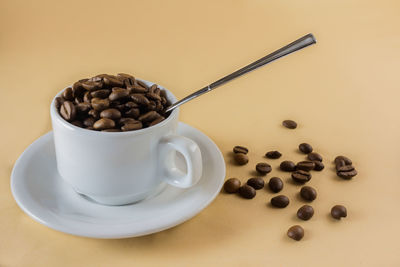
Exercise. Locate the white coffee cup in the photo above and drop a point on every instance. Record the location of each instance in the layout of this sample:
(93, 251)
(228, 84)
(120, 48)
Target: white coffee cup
(117, 168)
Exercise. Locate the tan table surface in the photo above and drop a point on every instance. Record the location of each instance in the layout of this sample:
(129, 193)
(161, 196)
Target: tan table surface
(344, 92)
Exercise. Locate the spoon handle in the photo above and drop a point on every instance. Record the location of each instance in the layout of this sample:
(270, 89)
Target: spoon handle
(303, 42)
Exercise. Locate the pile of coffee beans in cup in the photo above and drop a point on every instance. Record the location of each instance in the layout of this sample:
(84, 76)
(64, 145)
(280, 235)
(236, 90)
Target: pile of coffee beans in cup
(300, 174)
(112, 103)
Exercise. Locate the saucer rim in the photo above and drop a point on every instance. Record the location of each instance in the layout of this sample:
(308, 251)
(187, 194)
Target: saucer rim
(18, 194)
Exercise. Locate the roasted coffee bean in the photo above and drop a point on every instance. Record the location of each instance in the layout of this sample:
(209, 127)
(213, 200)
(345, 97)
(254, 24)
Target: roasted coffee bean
(156, 121)
(88, 122)
(68, 111)
(91, 86)
(94, 113)
(112, 81)
(67, 94)
(319, 166)
(275, 184)
(296, 232)
(305, 148)
(149, 116)
(135, 89)
(287, 166)
(347, 175)
(308, 193)
(305, 212)
(280, 201)
(87, 97)
(77, 123)
(111, 113)
(345, 168)
(77, 86)
(103, 93)
(240, 149)
(132, 113)
(257, 183)
(289, 124)
(78, 100)
(340, 163)
(142, 84)
(273, 154)
(132, 126)
(127, 120)
(301, 176)
(247, 191)
(263, 168)
(153, 96)
(118, 93)
(100, 104)
(314, 156)
(232, 185)
(103, 124)
(109, 96)
(90, 128)
(111, 130)
(124, 76)
(58, 102)
(346, 160)
(241, 158)
(338, 212)
(131, 104)
(152, 106)
(305, 165)
(140, 99)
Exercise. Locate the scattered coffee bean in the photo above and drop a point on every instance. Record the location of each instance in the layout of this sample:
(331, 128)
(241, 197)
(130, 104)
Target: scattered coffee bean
(305, 165)
(305, 148)
(296, 232)
(308, 193)
(301, 176)
(314, 156)
(68, 111)
(347, 175)
(103, 124)
(319, 166)
(305, 212)
(263, 168)
(232, 185)
(338, 211)
(240, 149)
(247, 191)
(346, 160)
(344, 168)
(287, 166)
(275, 184)
(280, 201)
(241, 158)
(257, 183)
(289, 124)
(112, 97)
(273, 154)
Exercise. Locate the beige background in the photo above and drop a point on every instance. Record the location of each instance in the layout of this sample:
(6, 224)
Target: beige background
(344, 92)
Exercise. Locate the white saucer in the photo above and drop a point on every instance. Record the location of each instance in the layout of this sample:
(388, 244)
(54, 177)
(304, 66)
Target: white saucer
(42, 194)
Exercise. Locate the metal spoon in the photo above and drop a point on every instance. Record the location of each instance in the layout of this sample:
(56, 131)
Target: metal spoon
(304, 41)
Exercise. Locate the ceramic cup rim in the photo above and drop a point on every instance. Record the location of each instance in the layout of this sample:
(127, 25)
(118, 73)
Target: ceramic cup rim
(56, 115)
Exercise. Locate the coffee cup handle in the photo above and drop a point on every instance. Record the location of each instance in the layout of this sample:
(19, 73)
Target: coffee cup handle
(192, 155)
